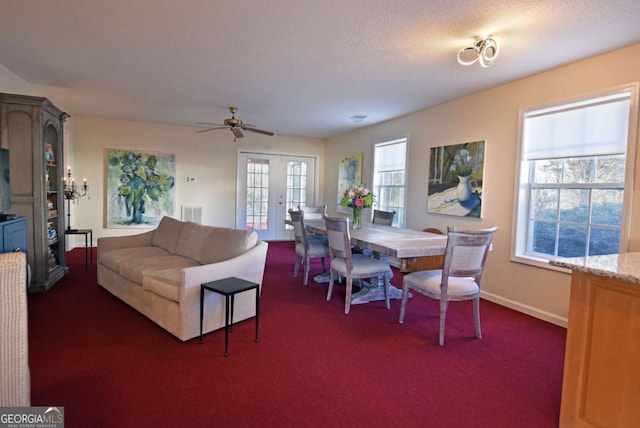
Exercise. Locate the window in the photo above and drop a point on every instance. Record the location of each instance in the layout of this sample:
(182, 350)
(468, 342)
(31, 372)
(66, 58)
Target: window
(390, 178)
(576, 165)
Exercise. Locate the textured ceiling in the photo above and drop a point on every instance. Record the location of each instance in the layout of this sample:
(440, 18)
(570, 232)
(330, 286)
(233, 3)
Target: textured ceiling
(292, 67)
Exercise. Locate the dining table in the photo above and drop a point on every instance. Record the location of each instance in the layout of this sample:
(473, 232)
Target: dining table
(384, 241)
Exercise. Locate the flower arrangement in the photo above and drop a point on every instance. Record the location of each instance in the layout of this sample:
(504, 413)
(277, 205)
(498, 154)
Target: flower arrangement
(464, 164)
(358, 196)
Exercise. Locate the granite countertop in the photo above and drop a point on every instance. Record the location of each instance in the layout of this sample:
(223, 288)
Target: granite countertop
(624, 267)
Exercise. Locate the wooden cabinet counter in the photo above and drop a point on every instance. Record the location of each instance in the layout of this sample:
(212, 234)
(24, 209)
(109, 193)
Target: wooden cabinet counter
(601, 382)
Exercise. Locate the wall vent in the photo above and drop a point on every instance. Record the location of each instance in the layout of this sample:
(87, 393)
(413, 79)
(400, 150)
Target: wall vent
(193, 214)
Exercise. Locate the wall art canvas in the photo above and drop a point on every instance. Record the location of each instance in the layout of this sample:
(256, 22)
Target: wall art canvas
(455, 179)
(349, 173)
(140, 188)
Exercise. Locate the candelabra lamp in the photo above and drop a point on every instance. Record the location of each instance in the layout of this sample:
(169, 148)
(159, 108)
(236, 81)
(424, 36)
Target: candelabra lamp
(72, 192)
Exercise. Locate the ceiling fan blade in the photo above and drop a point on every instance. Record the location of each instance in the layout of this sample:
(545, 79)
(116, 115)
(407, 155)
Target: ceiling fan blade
(236, 132)
(259, 131)
(209, 123)
(210, 129)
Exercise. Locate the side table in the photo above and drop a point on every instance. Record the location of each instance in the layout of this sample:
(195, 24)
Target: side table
(229, 287)
(88, 253)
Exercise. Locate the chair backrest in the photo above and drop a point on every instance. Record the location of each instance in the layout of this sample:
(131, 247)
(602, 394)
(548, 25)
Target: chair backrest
(466, 253)
(299, 231)
(383, 217)
(339, 238)
(314, 213)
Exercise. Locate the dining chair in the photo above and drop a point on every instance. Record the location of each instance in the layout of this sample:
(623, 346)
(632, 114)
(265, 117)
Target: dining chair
(306, 248)
(459, 278)
(348, 265)
(313, 213)
(383, 217)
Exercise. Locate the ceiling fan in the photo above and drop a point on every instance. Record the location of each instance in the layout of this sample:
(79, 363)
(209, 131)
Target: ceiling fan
(235, 125)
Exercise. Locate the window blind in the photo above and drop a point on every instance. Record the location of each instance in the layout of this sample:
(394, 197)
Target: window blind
(597, 127)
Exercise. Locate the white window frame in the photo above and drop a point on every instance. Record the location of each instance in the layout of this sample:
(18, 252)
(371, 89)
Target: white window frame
(520, 234)
(400, 217)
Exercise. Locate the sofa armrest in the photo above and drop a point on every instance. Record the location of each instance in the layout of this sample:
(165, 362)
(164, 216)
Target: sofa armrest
(128, 241)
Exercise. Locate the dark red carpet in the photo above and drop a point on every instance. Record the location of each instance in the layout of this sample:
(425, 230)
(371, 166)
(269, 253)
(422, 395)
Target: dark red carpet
(314, 366)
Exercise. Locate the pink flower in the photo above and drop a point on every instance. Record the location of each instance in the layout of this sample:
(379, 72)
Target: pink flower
(351, 194)
(359, 202)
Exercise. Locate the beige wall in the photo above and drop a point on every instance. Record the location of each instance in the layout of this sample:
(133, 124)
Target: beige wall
(10, 83)
(210, 157)
(493, 116)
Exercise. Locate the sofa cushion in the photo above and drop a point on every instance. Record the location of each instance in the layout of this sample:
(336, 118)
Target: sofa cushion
(208, 244)
(165, 283)
(223, 244)
(134, 269)
(191, 240)
(113, 258)
(167, 234)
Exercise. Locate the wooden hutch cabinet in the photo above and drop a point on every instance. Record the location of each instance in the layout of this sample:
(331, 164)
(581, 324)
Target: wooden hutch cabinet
(31, 128)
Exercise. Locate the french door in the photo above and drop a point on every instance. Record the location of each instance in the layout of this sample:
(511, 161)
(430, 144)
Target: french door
(268, 186)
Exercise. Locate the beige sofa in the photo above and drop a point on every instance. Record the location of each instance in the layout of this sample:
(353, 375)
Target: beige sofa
(159, 273)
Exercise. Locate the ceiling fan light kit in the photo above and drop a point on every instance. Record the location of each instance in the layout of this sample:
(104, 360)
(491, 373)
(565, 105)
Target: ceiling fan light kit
(484, 51)
(236, 126)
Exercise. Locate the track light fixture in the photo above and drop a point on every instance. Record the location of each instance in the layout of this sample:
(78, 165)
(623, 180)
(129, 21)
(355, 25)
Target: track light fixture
(484, 51)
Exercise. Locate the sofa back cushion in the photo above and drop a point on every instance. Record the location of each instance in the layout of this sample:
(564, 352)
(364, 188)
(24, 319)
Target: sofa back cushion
(167, 234)
(208, 244)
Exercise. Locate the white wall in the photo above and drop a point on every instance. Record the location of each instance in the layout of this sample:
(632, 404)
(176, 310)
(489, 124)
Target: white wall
(493, 116)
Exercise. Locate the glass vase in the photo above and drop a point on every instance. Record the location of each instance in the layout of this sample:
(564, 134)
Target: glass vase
(357, 217)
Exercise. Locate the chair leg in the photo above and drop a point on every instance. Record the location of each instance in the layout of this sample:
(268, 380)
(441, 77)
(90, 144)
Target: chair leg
(330, 290)
(476, 317)
(443, 313)
(403, 303)
(295, 269)
(306, 271)
(324, 268)
(386, 291)
(347, 297)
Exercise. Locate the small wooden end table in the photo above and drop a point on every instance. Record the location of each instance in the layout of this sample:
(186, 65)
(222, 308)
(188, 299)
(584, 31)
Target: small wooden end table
(229, 287)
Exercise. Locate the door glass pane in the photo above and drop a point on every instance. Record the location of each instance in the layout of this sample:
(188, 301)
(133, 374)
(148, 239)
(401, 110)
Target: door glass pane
(296, 184)
(257, 194)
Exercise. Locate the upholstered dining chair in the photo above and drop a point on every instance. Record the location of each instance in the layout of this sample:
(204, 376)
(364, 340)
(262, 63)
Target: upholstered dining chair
(313, 213)
(383, 217)
(348, 265)
(460, 277)
(306, 248)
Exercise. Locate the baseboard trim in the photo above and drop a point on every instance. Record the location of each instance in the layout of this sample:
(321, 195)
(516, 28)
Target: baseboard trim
(536, 313)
